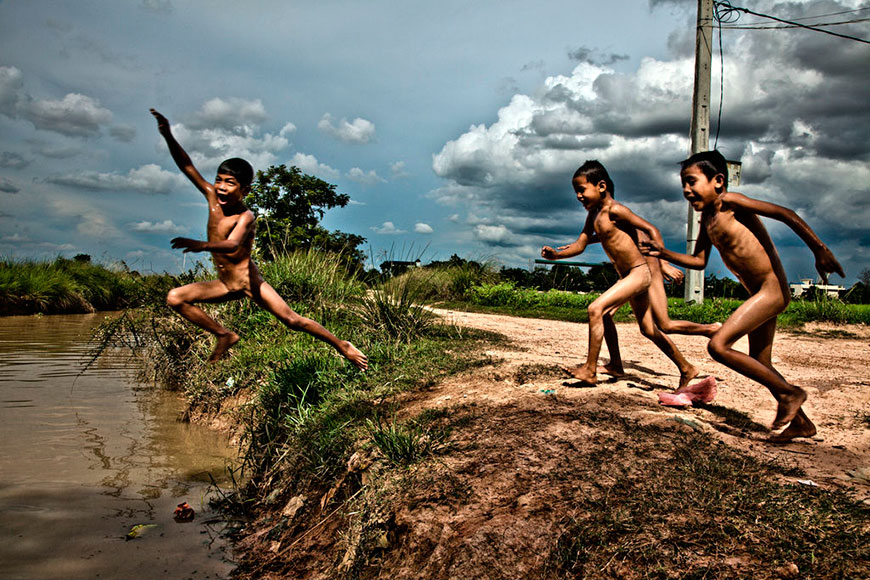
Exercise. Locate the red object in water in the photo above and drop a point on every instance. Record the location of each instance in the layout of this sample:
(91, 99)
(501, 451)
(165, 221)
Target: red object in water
(184, 513)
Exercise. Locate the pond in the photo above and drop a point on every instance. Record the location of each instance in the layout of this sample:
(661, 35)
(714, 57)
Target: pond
(86, 456)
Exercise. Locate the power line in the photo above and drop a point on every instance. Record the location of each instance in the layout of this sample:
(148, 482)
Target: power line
(817, 24)
(727, 11)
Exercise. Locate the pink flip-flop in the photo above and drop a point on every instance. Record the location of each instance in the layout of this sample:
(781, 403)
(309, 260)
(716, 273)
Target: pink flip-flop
(703, 391)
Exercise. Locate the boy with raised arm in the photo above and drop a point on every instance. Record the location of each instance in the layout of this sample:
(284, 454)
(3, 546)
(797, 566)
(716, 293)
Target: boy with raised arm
(615, 227)
(730, 221)
(230, 239)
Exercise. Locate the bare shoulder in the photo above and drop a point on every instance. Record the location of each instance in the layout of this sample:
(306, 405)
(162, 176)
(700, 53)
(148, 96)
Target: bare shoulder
(620, 212)
(734, 199)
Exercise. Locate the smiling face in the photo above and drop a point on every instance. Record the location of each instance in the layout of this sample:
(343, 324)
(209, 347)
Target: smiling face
(589, 194)
(701, 191)
(228, 190)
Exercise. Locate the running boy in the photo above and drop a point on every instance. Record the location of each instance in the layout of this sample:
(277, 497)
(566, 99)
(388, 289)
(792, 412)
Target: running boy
(730, 222)
(658, 300)
(616, 227)
(230, 239)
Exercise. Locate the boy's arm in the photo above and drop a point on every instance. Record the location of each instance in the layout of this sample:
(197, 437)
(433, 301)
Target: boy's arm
(697, 261)
(240, 232)
(180, 156)
(825, 261)
(587, 236)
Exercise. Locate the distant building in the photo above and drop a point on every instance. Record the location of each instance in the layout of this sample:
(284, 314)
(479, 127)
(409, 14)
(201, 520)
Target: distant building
(797, 290)
(396, 267)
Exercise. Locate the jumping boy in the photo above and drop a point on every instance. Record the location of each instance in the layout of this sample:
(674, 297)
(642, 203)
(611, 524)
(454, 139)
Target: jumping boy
(616, 227)
(730, 221)
(230, 239)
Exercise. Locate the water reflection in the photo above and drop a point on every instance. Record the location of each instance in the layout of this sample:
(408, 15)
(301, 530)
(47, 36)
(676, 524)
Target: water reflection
(84, 457)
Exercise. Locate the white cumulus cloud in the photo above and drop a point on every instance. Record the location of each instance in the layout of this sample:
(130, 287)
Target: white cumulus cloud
(365, 177)
(310, 165)
(149, 178)
(357, 131)
(164, 227)
(387, 228)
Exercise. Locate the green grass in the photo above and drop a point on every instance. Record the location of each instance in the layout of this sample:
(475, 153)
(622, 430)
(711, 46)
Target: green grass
(72, 286)
(506, 298)
(446, 282)
(308, 408)
(824, 309)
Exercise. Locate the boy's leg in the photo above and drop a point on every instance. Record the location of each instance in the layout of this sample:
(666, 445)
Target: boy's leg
(182, 300)
(759, 310)
(659, 301)
(637, 280)
(611, 339)
(640, 305)
(267, 298)
(760, 348)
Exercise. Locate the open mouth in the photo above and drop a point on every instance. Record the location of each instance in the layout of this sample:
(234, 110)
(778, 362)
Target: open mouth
(223, 198)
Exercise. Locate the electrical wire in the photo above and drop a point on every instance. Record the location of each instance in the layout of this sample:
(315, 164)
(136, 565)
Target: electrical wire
(725, 13)
(789, 26)
(731, 14)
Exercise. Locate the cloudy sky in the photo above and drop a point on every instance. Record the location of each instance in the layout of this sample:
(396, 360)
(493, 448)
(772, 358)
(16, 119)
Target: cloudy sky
(454, 126)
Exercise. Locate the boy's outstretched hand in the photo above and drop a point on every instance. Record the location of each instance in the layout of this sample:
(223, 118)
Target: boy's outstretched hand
(650, 247)
(162, 122)
(671, 273)
(549, 253)
(826, 263)
(188, 244)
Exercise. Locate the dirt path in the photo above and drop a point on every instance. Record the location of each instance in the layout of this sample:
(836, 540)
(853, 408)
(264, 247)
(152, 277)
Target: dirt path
(830, 362)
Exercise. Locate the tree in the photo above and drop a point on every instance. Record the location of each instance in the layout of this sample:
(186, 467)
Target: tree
(289, 205)
(864, 276)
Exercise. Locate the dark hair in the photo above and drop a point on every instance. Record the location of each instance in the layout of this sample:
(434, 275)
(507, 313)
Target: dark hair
(238, 168)
(710, 163)
(594, 172)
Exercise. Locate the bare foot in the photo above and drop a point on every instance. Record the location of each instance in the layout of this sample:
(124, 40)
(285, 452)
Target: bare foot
(355, 355)
(687, 376)
(712, 328)
(612, 370)
(581, 374)
(801, 426)
(788, 407)
(223, 344)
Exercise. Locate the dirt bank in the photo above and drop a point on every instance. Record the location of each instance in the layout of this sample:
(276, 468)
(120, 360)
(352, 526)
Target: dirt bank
(533, 460)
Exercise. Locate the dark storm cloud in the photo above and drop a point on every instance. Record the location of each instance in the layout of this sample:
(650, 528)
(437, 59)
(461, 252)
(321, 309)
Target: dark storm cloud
(593, 56)
(794, 111)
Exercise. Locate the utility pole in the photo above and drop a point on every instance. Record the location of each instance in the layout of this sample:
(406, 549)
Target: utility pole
(694, 288)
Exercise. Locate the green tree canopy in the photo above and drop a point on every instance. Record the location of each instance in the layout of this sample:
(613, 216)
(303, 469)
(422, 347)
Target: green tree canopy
(289, 205)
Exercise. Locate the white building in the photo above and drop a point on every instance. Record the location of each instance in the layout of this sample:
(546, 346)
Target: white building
(806, 283)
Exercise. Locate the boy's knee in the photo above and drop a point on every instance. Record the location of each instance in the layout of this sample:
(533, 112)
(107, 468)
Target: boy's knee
(648, 330)
(174, 298)
(595, 312)
(294, 321)
(716, 350)
(666, 327)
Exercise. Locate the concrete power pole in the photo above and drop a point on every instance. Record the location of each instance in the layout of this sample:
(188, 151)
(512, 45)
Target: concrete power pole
(694, 288)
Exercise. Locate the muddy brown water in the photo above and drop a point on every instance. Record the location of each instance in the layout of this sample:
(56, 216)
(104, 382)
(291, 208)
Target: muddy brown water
(84, 457)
